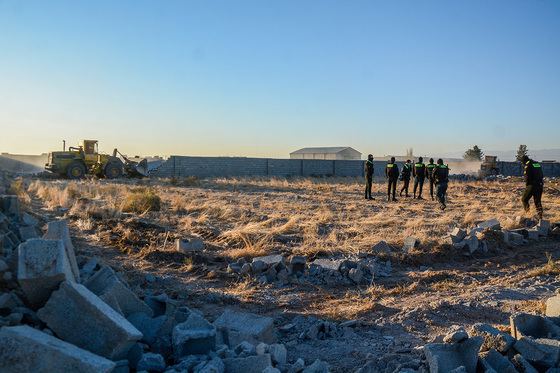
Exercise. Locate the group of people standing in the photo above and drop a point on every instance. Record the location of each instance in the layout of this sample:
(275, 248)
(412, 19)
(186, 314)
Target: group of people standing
(436, 174)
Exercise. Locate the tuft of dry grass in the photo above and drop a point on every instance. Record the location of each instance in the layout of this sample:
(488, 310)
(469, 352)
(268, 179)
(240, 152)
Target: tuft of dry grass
(141, 201)
(551, 268)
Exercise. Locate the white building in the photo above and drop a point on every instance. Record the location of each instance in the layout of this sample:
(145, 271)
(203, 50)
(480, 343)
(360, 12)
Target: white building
(332, 153)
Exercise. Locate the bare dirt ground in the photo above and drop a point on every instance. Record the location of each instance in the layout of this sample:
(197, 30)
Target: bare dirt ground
(427, 291)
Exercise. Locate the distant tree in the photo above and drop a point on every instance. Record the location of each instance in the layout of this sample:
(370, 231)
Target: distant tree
(474, 154)
(522, 151)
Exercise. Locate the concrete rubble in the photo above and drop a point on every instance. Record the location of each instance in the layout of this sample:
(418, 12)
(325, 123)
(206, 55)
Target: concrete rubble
(90, 320)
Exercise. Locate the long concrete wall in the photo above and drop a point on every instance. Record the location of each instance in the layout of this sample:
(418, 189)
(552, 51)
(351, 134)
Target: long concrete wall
(225, 166)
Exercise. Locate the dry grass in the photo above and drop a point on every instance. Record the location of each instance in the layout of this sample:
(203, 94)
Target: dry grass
(551, 268)
(326, 216)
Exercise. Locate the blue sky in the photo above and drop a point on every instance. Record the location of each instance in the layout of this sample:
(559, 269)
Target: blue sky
(264, 78)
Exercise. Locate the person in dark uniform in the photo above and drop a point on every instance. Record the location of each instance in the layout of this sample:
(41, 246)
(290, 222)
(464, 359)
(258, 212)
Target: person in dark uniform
(440, 177)
(405, 176)
(369, 176)
(419, 173)
(429, 171)
(392, 174)
(534, 184)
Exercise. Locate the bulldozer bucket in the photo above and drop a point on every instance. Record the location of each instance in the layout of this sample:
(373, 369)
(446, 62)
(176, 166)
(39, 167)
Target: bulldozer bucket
(137, 168)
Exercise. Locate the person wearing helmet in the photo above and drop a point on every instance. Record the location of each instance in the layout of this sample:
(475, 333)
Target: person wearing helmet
(441, 178)
(534, 183)
(429, 175)
(369, 176)
(392, 175)
(419, 173)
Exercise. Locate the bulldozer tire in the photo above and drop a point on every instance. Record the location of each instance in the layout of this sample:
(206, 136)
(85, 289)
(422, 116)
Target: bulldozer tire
(76, 170)
(113, 171)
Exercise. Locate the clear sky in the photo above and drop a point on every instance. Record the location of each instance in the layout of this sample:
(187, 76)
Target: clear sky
(263, 78)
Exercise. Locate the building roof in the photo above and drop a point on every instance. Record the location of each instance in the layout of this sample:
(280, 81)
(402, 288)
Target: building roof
(327, 150)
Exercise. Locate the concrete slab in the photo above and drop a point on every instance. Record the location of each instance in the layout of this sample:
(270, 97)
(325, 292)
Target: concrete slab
(526, 325)
(459, 233)
(490, 224)
(270, 260)
(499, 362)
(332, 265)
(381, 247)
(236, 327)
(193, 337)
(28, 219)
(410, 243)
(58, 230)
(79, 317)
(493, 338)
(444, 357)
(42, 266)
(28, 232)
(10, 205)
(516, 238)
(24, 349)
(471, 244)
(106, 285)
(251, 364)
(540, 351)
(189, 244)
(522, 365)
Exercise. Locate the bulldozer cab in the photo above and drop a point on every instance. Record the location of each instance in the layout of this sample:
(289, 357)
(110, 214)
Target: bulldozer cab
(490, 159)
(90, 149)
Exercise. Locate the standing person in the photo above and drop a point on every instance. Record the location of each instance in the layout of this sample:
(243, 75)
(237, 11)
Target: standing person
(369, 176)
(405, 176)
(441, 179)
(392, 174)
(533, 184)
(419, 173)
(429, 175)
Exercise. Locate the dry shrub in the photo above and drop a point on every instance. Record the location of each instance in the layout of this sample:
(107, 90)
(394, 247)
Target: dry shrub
(141, 201)
(551, 268)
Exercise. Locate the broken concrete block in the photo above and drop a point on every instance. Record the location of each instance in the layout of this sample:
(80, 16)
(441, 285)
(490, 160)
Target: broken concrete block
(327, 264)
(73, 310)
(152, 329)
(106, 285)
(381, 247)
(24, 349)
(297, 263)
(410, 243)
(471, 244)
(58, 230)
(251, 364)
(278, 353)
(539, 351)
(493, 338)
(516, 238)
(258, 266)
(459, 233)
(523, 232)
(42, 266)
(10, 204)
(236, 327)
(499, 362)
(193, 337)
(456, 334)
(533, 235)
(356, 275)
(318, 366)
(522, 365)
(161, 305)
(490, 224)
(505, 235)
(444, 357)
(272, 261)
(27, 233)
(189, 244)
(9, 301)
(27, 219)
(553, 306)
(151, 363)
(524, 324)
(543, 227)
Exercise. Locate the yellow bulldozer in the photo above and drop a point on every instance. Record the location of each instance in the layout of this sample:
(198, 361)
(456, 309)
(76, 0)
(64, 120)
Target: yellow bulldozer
(86, 159)
(489, 166)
